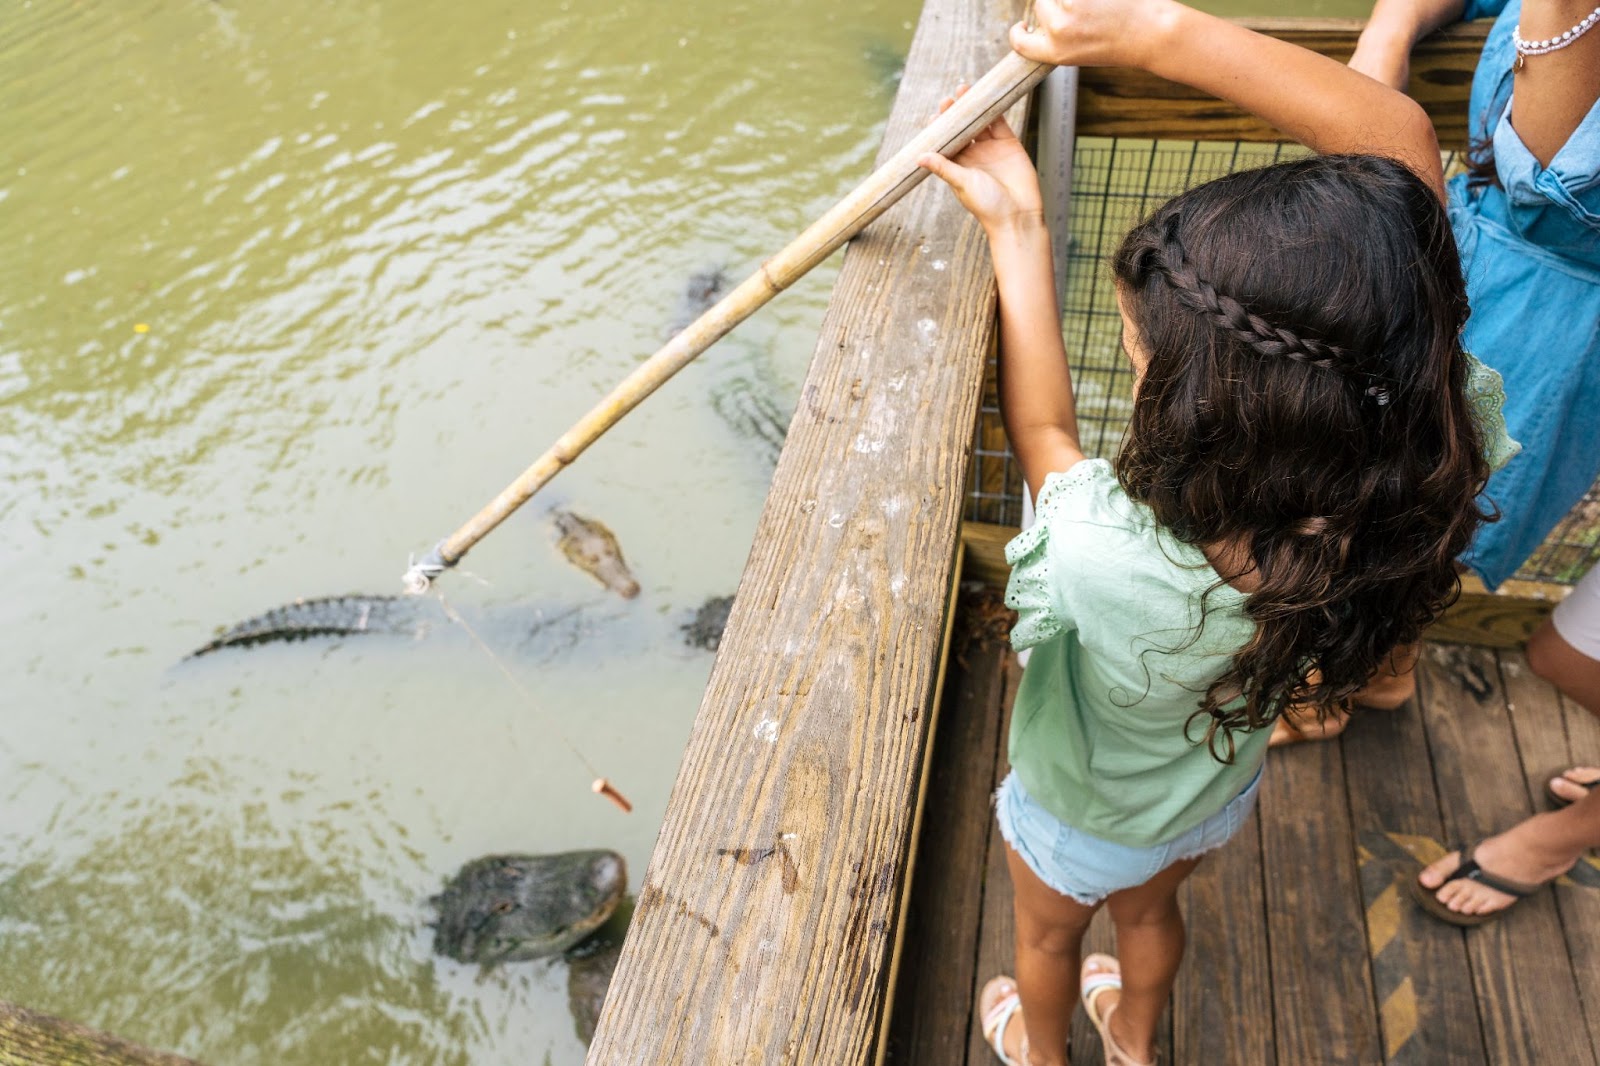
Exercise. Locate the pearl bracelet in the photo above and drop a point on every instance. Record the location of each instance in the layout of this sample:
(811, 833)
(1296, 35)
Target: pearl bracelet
(1552, 44)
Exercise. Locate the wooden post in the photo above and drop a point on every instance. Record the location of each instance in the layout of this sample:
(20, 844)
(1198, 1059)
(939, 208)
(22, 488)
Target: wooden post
(765, 919)
(1057, 107)
(29, 1038)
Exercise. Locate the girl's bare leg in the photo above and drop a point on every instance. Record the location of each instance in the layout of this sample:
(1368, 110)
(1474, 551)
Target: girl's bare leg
(1150, 941)
(1050, 930)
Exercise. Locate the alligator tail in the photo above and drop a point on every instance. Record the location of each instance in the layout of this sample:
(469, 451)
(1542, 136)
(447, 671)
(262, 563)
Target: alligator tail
(329, 616)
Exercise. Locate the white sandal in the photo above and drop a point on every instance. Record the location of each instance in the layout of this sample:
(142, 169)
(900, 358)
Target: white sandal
(1090, 986)
(999, 1015)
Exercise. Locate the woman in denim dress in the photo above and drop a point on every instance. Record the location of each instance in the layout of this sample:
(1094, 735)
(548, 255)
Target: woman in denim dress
(1527, 220)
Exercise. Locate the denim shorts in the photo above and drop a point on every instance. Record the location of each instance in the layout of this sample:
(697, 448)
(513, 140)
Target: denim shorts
(1089, 869)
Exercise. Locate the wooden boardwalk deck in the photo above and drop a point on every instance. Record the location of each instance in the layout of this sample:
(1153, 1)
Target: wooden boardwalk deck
(1304, 946)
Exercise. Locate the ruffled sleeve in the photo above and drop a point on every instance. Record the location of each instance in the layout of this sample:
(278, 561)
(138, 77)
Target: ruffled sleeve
(1486, 399)
(1035, 590)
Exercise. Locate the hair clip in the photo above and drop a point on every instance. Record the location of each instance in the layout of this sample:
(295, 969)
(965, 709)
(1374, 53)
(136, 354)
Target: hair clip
(1378, 395)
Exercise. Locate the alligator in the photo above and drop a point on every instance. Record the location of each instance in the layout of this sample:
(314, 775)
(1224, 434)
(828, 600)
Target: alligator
(512, 908)
(705, 288)
(590, 966)
(753, 417)
(331, 616)
(704, 630)
(413, 616)
(593, 548)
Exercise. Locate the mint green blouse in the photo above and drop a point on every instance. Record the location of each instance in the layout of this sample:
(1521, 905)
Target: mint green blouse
(1110, 602)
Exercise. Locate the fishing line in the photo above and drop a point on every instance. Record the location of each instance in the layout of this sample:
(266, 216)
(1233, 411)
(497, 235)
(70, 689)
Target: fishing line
(600, 785)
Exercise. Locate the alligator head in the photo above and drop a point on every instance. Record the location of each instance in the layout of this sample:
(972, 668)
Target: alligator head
(509, 908)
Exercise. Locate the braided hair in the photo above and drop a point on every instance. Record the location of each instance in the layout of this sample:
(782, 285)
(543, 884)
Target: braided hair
(1304, 405)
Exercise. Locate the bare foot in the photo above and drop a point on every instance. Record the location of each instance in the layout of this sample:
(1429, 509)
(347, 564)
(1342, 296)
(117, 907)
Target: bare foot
(1293, 727)
(1515, 855)
(1576, 783)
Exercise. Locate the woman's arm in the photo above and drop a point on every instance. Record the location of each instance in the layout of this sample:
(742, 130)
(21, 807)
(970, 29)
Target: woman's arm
(1384, 50)
(994, 179)
(1552, 93)
(1317, 101)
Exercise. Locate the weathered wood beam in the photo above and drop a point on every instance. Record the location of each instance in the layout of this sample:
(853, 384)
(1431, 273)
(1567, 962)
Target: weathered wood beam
(1501, 619)
(1118, 102)
(30, 1038)
(765, 920)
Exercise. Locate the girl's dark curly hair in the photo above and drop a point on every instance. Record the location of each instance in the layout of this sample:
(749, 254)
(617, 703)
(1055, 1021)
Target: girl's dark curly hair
(1305, 402)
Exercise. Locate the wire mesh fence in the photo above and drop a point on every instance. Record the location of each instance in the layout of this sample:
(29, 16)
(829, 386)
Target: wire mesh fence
(1115, 183)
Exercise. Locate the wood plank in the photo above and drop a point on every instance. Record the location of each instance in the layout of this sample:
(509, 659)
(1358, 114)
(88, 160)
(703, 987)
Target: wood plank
(997, 931)
(1222, 1003)
(1419, 965)
(1120, 102)
(764, 920)
(985, 545)
(1501, 619)
(1539, 716)
(1504, 618)
(1315, 919)
(1527, 997)
(934, 997)
(33, 1038)
(1578, 894)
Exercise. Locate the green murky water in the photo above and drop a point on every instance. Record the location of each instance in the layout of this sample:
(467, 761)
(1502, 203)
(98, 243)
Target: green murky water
(287, 292)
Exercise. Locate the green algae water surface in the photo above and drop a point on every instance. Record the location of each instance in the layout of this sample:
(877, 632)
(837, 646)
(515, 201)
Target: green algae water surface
(287, 291)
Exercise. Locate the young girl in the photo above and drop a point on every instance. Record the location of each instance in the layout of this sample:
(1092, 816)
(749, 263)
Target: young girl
(1298, 477)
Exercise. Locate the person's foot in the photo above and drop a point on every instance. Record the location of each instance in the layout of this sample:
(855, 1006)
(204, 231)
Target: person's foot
(1574, 784)
(1003, 1029)
(1294, 727)
(1515, 855)
(1102, 1002)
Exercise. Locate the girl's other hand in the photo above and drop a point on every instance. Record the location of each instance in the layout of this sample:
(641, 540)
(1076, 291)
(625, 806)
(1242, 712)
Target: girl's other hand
(992, 177)
(1094, 33)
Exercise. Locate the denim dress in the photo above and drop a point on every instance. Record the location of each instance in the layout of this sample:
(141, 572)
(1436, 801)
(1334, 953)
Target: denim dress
(1531, 252)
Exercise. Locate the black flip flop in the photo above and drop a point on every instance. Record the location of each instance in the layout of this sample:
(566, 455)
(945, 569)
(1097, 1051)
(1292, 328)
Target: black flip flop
(1428, 898)
(1559, 800)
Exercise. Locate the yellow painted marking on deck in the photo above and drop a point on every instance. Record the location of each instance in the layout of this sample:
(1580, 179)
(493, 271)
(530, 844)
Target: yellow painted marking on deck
(1584, 875)
(1383, 920)
(1424, 849)
(1399, 1018)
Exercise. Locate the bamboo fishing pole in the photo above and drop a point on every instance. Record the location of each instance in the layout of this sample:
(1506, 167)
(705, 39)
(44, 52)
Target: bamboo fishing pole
(952, 131)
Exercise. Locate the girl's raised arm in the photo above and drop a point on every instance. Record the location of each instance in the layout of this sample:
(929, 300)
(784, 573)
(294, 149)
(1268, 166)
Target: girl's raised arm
(994, 179)
(1317, 101)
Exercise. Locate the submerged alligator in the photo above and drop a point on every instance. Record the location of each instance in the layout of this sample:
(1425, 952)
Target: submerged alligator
(513, 908)
(590, 967)
(415, 617)
(750, 412)
(704, 630)
(593, 548)
(705, 287)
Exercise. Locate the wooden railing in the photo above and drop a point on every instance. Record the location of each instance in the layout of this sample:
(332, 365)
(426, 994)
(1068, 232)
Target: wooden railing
(767, 920)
